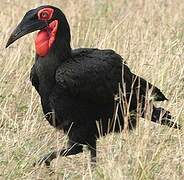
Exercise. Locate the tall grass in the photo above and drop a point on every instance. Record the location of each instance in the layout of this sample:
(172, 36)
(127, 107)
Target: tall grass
(149, 34)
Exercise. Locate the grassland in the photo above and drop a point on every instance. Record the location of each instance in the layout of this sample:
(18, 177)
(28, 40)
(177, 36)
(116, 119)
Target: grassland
(149, 34)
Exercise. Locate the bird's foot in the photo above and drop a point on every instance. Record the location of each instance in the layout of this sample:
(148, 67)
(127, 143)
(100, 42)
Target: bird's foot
(46, 159)
(93, 162)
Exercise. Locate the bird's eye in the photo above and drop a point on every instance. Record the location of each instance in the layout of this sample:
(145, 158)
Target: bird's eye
(45, 14)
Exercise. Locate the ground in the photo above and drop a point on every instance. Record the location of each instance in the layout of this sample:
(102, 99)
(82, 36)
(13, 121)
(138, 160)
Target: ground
(149, 34)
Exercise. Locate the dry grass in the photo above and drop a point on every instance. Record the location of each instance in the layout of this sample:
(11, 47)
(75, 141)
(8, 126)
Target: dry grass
(150, 36)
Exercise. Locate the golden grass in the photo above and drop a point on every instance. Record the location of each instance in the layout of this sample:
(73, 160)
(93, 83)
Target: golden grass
(149, 34)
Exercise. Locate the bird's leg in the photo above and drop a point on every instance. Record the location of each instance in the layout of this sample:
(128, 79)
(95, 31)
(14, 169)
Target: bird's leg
(71, 150)
(132, 122)
(92, 149)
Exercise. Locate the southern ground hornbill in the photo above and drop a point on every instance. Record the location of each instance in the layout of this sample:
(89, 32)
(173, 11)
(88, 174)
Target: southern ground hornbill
(77, 87)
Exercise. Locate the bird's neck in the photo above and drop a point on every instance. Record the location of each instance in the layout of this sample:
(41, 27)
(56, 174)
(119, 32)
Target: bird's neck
(53, 40)
(46, 68)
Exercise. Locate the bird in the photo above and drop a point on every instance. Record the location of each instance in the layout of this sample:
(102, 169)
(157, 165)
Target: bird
(86, 92)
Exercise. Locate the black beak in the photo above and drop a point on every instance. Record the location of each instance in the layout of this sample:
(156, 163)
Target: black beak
(29, 23)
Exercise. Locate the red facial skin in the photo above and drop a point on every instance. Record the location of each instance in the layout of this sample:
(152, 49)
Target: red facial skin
(45, 14)
(46, 37)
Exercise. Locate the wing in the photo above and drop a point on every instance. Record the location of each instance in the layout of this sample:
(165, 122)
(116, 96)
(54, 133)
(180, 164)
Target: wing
(94, 75)
(136, 83)
(91, 74)
(144, 86)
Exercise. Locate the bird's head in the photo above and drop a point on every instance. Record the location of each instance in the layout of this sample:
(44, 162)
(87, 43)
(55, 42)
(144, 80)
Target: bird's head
(53, 26)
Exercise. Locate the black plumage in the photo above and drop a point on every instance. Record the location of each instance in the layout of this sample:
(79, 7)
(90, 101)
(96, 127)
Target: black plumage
(77, 88)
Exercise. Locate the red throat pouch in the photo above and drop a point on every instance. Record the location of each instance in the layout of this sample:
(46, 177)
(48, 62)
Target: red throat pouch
(45, 38)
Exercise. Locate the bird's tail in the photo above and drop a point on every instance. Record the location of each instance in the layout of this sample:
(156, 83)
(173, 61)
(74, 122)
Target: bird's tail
(160, 115)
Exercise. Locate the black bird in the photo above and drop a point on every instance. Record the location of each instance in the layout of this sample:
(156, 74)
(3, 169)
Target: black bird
(77, 87)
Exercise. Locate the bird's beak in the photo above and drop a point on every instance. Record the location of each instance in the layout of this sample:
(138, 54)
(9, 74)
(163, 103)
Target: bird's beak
(28, 24)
